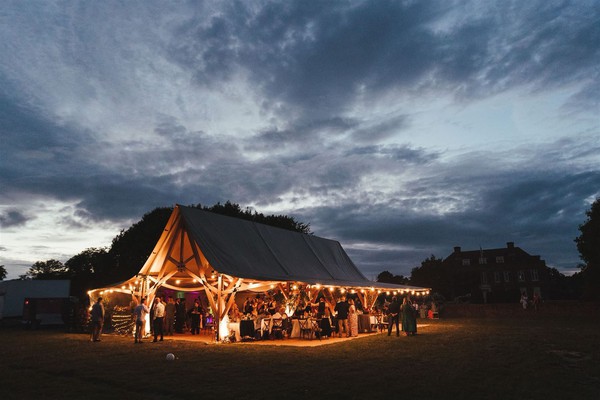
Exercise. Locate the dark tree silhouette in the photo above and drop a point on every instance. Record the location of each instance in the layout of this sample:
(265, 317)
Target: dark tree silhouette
(2, 272)
(588, 245)
(50, 269)
(131, 247)
(388, 277)
(432, 274)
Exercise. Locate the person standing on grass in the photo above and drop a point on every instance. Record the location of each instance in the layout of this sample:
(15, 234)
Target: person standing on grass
(170, 315)
(352, 319)
(195, 314)
(159, 318)
(97, 317)
(524, 300)
(536, 301)
(341, 308)
(409, 319)
(394, 316)
(140, 312)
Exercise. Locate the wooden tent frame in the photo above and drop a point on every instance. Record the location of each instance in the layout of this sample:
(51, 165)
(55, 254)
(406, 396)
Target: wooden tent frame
(179, 264)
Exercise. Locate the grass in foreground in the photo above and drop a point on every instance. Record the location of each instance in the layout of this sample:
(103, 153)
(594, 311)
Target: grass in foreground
(537, 358)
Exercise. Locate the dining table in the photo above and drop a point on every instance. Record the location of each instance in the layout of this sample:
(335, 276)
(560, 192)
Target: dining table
(247, 328)
(365, 323)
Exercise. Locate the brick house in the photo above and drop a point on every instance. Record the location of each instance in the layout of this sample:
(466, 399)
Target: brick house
(496, 275)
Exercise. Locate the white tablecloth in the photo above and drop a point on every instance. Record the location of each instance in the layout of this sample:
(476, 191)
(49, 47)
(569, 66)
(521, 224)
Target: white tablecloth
(235, 327)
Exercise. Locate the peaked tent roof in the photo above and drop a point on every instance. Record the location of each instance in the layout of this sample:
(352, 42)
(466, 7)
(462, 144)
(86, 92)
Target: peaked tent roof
(250, 250)
(195, 244)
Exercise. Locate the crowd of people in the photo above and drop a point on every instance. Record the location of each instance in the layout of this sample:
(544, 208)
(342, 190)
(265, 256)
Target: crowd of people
(334, 318)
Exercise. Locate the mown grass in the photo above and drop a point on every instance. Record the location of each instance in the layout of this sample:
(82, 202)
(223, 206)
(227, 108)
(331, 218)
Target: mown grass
(536, 358)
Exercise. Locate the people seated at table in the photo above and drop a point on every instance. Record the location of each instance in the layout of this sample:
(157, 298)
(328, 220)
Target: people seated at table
(258, 321)
(280, 313)
(249, 306)
(272, 306)
(299, 311)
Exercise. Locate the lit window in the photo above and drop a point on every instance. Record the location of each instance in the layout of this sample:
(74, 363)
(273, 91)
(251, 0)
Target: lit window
(521, 276)
(534, 275)
(482, 260)
(466, 261)
(500, 260)
(506, 276)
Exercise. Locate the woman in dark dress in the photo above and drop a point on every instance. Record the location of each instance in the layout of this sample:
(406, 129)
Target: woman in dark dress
(409, 318)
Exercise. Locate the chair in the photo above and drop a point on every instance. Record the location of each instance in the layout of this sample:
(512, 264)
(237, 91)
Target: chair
(316, 327)
(380, 324)
(305, 328)
(209, 324)
(277, 328)
(264, 329)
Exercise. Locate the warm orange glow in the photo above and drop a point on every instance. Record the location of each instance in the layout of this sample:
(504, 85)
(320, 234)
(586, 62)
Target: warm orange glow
(224, 328)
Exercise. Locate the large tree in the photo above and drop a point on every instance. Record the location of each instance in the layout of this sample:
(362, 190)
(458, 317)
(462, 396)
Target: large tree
(89, 268)
(50, 269)
(388, 277)
(432, 274)
(588, 244)
(2, 272)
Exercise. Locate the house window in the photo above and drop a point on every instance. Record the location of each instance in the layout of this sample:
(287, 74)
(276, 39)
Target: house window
(506, 276)
(482, 260)
(521, 276)
(466, 262)
(497, 277)
(500, 260)
(484, 280)
(534, 275)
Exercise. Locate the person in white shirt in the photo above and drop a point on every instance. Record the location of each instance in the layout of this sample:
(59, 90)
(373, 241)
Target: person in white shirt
(140, 312)
(159, 318)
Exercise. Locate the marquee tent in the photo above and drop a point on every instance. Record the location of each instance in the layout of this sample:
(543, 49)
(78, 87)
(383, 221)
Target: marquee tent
(220, 255)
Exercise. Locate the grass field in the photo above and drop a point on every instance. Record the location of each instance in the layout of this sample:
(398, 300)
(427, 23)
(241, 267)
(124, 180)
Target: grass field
(518, 358)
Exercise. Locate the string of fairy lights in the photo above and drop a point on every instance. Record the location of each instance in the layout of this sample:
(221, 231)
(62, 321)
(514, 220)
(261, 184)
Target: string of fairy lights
(122, 322)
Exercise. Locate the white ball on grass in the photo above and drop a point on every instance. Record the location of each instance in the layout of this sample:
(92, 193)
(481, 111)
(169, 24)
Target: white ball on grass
(170, 357)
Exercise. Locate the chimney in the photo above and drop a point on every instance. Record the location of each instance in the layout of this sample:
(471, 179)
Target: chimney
(510, 245)
(457, 249)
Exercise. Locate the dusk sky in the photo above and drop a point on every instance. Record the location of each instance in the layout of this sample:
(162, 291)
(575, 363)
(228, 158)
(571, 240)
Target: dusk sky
(399, 128)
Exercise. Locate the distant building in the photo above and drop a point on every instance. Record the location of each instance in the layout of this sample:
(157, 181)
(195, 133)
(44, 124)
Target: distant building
(16, 294)
(496, 275)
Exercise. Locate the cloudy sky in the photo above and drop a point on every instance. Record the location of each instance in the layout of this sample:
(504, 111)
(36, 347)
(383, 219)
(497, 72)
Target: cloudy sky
(399, 128)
